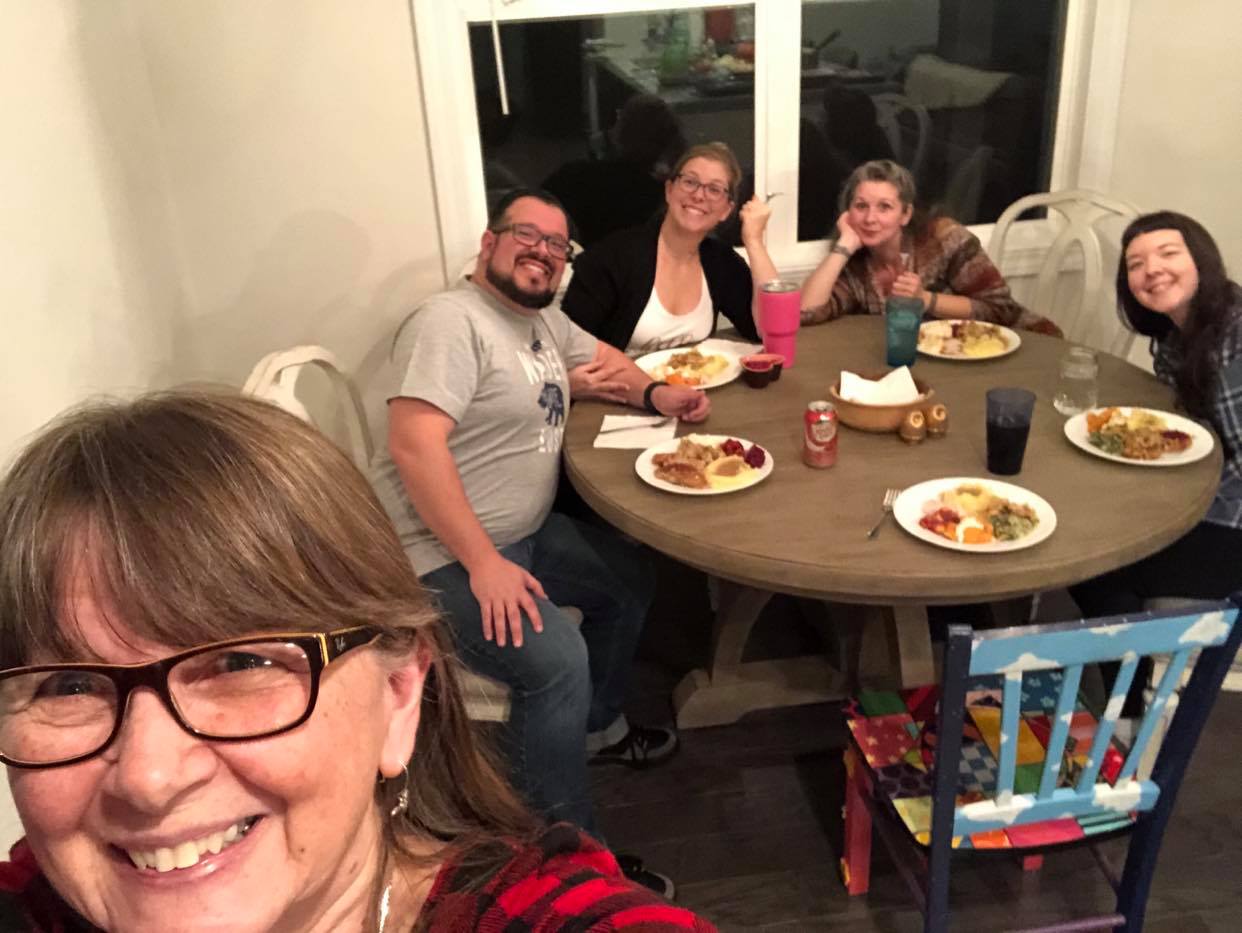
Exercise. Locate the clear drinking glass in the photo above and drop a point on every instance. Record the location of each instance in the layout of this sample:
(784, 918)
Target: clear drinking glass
(1077, 389)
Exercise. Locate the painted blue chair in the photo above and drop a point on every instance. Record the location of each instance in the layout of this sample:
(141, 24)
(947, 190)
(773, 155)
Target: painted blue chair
(1029, 768)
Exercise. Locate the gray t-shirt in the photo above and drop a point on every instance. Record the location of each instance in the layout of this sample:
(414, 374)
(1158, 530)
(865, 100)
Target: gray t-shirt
(502, 377)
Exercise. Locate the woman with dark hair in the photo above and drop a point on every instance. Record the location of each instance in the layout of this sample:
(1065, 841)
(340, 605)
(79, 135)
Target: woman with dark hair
(662, 284)
(884, 247)
(226, 702)
(1172, 287)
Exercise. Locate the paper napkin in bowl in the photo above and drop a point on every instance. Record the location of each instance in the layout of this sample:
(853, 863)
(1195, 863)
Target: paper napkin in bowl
(896, 388)
(635, 431)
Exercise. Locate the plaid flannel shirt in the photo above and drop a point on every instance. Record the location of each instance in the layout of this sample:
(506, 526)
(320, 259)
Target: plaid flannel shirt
(563, 881)
(1226, 413)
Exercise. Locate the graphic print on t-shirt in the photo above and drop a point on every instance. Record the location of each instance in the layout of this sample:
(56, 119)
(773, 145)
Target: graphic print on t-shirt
(543, 368)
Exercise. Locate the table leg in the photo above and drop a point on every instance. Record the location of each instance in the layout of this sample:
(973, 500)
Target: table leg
(732, 688)
(896, 649)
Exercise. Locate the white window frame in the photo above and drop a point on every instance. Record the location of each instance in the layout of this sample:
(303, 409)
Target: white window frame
(1096, 34)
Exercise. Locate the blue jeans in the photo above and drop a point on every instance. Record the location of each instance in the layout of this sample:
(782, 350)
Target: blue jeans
(568, 680)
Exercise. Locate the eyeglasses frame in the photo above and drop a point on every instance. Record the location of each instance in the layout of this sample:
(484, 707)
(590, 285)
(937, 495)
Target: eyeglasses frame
(694, 184)
(321, 649)
(545, 238)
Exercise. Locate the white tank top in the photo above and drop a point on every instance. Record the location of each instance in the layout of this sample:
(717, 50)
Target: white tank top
(657, 328)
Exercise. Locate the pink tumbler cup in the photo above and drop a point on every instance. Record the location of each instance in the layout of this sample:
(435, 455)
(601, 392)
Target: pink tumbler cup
(780, 312)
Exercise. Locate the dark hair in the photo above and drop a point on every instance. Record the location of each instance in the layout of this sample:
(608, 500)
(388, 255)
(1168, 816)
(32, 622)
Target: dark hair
(1195, 379)
(500, 211)
(201, 515)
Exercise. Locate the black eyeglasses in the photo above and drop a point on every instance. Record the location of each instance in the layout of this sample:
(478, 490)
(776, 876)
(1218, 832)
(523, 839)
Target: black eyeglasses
(530, 235)
(243, 688)
(712, 191)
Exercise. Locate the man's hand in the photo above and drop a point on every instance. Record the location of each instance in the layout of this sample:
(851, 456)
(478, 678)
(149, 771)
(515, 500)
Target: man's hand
(504, 590)
(599, 379)
(908, 285)
(682, 402)
(847, 235)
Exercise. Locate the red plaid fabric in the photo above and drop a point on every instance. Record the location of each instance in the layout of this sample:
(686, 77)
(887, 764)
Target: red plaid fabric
(563, 881)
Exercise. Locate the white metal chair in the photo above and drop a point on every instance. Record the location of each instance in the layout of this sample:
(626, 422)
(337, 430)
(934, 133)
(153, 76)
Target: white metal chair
(889, 108)
(1091, 319)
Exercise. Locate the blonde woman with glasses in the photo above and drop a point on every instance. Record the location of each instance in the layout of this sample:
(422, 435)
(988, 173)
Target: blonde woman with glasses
(662, 284)
(226, 702)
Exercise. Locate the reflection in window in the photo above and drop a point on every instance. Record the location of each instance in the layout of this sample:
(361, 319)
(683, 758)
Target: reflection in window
(601, 106)
(959, 91)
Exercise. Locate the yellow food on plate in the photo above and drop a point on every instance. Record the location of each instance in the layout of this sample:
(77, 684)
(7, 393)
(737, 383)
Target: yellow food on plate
(728, 472)
(691, 367)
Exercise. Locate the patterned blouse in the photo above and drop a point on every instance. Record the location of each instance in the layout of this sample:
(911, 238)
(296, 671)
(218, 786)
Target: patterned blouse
(949, 259)
(562, 881)
(1226, 413)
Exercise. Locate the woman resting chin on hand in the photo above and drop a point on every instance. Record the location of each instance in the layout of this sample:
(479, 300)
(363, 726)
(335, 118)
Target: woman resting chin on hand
(884, 248)
(251, 720)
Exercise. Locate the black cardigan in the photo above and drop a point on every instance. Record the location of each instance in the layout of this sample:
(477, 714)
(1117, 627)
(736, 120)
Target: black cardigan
(612, 284)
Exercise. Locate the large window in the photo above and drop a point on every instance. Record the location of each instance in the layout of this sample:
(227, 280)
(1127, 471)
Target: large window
(986, 100)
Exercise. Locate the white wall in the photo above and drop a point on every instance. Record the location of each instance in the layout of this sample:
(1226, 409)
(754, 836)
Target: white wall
(299, 179)
(90, 289)
(1178, 135)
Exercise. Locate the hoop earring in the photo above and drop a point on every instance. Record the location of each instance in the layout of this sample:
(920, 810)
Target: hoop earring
(403, 797)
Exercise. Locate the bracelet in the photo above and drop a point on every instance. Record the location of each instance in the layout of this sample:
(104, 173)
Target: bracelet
(931, 304)
(838, 248)
(651, 387)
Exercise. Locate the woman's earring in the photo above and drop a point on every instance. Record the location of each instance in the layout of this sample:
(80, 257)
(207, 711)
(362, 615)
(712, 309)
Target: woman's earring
(403, 798)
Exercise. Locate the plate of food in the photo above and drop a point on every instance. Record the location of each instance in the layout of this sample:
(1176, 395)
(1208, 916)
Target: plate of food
(690, 366)
(704, 464)
(1141, 436)
(966, 340)
(965, 513)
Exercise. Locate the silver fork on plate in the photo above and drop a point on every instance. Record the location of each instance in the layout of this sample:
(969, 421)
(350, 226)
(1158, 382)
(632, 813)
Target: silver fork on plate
(890, 496)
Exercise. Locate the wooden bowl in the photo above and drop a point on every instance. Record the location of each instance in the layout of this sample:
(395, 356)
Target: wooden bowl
(878, 419)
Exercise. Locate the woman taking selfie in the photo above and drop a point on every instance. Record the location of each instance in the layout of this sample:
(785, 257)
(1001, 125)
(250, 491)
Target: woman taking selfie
(1172, 287)
(884, 247)
(226, 704)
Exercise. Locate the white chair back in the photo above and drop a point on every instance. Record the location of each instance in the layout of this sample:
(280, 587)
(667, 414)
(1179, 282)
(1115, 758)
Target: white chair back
(889, 108)
(275, 378)
(1090, 319)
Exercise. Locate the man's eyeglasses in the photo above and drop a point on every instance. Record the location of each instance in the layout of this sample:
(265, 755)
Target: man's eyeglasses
(712, 191)
(246, 688)
(530, 235)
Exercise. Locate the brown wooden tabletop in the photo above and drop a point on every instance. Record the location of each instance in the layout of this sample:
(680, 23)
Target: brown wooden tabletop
(802, 530)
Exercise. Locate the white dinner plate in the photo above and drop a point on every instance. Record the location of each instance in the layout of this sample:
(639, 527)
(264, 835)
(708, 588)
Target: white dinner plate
(912, 505)
(646, 469)
(944, 329)
(1201, 440)
(648, 362)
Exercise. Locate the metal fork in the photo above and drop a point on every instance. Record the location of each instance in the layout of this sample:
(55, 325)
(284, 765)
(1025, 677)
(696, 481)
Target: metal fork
(890, 496)
(637, 425)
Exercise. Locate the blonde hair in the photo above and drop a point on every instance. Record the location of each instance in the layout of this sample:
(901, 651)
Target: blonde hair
(201, 515)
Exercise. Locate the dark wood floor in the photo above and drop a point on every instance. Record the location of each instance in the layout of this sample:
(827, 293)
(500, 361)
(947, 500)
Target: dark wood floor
(746, 819)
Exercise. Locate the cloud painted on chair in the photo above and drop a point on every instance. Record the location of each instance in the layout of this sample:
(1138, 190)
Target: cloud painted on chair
(1209, 628)
(1027, 661)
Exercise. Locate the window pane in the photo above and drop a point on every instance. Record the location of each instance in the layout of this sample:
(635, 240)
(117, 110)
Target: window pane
(962, 92)
(601, 106)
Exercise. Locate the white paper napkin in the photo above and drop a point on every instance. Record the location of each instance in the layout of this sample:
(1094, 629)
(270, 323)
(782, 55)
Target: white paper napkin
(896, 388)
(635, 431)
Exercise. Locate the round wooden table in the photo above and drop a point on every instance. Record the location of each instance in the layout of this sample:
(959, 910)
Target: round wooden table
(802, 531)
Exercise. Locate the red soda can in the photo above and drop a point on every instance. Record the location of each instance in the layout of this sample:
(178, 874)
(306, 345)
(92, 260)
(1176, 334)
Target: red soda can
(819, 435)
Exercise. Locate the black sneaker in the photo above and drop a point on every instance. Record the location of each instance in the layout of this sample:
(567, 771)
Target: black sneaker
(634, 869)
(642, 747)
